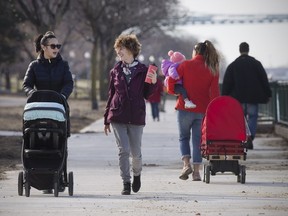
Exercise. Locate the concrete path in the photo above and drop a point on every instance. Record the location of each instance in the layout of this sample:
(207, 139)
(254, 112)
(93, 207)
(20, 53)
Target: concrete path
(94, 161)
(10, 101)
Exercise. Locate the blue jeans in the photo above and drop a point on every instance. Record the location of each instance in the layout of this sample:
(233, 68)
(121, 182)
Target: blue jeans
(251, 114)
(155, 110)
(190, 122)
(179, 89)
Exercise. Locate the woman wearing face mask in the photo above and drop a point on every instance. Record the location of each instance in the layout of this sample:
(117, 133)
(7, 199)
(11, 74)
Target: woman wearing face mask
(126, 108)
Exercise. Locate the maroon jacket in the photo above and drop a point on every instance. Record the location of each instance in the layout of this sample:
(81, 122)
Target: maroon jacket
(156, 96)
(126, 102)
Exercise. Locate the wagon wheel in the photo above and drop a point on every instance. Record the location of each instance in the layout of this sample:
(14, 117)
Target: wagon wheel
(238, 178)
(204, 176)
(207, 173)
(70, 183)
(239, 174)
(20, 183)
(243, 174)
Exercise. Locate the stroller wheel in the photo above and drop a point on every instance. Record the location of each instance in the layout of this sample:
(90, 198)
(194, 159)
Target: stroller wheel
(56, 184)
(20, 183)
(27, 185)
(56, 189)
(207, 173)
(70, 183)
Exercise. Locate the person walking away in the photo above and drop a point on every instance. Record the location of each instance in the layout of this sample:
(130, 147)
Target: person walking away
(200, 77)
(49, 71)
(245, 79)
(163, 97)
(126, 109)
(155, 99)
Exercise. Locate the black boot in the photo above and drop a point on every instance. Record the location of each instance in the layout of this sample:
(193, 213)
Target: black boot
(126, 189)
(136, 184)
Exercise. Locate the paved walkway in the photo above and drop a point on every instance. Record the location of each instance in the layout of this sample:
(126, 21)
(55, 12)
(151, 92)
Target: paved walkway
(8, 100)
(97, 184)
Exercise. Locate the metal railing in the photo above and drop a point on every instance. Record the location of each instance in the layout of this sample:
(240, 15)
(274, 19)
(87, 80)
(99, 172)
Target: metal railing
(276, 109)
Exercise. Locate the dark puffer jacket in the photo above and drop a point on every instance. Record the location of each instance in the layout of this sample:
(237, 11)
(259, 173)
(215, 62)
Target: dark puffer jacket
(126, 102)
(246, 80)
(53, 74)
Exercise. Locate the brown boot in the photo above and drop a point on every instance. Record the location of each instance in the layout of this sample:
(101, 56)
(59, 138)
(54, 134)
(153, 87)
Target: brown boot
(196, 173)
(187, 170)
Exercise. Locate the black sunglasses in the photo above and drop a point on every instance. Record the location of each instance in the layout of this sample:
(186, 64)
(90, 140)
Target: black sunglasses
(54, 46)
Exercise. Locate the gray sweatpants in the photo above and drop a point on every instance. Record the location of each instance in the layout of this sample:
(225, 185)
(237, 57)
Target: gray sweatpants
(128, 139)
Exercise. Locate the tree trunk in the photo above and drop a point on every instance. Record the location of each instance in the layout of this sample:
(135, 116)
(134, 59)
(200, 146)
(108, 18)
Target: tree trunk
(104, 74)
(7, 81)
(93, 77)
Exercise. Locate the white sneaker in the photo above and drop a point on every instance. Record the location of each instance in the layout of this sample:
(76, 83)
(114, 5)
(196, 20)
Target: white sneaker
(189, 104)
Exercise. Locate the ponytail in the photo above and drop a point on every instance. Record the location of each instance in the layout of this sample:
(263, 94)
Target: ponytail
(42, 40)
(37, 43)
(210, 55)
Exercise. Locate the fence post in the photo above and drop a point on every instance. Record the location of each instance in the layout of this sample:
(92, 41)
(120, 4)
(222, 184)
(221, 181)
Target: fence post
(275, 100)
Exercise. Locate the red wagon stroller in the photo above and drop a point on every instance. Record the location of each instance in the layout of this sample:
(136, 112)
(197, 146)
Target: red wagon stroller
(224, 137)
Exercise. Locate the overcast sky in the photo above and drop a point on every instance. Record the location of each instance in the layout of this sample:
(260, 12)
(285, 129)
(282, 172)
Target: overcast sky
(268, 42)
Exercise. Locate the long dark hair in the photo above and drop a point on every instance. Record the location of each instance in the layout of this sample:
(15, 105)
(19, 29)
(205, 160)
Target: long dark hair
(210, 54)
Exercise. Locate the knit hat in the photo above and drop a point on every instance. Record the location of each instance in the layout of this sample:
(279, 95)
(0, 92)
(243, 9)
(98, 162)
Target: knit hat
(176, 57)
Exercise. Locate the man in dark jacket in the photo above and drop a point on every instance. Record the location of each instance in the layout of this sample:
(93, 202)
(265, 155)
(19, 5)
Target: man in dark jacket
(245, 79)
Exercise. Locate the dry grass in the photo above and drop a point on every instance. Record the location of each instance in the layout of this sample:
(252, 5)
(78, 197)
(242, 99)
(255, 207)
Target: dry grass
(81, 115)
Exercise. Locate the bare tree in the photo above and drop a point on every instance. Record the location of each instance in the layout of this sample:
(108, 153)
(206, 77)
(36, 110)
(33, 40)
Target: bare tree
(43, 14)
(40, 16)
(108, 19)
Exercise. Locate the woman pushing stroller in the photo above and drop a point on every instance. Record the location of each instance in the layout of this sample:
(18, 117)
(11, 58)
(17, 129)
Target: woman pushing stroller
(49, 71)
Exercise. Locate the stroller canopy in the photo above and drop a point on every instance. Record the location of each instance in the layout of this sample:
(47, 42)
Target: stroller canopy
(45, 104)
(224, 120)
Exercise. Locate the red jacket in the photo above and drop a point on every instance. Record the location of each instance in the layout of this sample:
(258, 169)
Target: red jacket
(156, 96)
(201, 85)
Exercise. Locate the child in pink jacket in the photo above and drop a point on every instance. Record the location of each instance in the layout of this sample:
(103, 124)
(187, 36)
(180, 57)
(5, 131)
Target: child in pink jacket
(168, 68)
